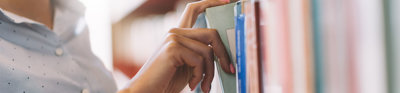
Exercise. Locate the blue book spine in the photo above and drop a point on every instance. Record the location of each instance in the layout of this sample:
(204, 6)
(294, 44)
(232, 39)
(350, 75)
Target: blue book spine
(240, 49)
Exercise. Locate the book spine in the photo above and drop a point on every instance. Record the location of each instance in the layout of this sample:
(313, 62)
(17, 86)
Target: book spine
(240, 49)
(392, 40)
(395, 9)
(317, 45)
(369, 47)
(308, 46)
(300, 46)
(278, 64)
(337, 58)
(252, 48)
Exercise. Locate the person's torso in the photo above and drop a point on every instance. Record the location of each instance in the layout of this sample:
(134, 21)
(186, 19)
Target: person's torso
(34, 59)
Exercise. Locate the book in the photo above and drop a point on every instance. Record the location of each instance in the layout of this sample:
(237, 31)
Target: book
(392, 44)
(253, 65)
(263, 45)
(300, 46)
(278, 66)
(318, 46)
(395, 9)
(336, 62)
(351, 43)
(306, 6)
(240, 48)
(369, 47)
(222, 19)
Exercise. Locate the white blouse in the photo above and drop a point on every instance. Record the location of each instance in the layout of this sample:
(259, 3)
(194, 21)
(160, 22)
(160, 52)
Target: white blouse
(34, 59)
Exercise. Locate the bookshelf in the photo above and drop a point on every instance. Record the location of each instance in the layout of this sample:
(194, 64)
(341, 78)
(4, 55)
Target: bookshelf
(309, 46)
(314, 46)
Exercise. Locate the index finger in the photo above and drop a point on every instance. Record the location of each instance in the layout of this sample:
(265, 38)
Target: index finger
(209, 37)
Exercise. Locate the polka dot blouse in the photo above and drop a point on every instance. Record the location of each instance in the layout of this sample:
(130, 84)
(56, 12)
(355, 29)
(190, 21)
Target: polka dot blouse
(34, 59)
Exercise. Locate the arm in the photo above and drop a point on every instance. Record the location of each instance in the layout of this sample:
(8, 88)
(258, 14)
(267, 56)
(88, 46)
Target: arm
(184, 58)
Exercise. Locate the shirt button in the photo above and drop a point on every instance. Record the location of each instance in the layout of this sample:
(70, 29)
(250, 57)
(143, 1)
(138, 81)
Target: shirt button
(59, 51)
(85, 91)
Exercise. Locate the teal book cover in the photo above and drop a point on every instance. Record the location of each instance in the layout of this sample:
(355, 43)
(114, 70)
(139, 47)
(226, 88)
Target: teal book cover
(318, 46)
(222, 19)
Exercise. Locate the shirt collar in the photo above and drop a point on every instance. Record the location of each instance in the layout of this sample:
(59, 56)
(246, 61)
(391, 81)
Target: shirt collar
(68, 20)
(69, 5)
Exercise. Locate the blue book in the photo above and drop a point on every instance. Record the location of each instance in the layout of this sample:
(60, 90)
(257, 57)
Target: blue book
(240, 48)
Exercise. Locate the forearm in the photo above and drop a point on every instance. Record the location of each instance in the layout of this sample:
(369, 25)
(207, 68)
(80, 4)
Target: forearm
(154, 76)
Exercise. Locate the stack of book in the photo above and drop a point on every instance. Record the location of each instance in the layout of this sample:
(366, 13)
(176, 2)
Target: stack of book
(310, 46)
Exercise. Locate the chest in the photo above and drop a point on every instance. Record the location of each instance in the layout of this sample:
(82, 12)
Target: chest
(37, 62)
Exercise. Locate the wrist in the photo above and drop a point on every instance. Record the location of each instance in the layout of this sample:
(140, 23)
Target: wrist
(199, 7)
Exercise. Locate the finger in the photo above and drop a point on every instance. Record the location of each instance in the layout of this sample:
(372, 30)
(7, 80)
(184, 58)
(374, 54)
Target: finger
(208, 78)
(202, 49)
(213, 3)
(188, 57)
(211, 37)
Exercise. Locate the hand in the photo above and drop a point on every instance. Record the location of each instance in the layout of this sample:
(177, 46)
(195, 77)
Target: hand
(183, 58)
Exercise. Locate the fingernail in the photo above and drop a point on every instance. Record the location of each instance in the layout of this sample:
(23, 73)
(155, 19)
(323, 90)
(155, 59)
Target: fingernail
(232, 68)
(226, 1)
